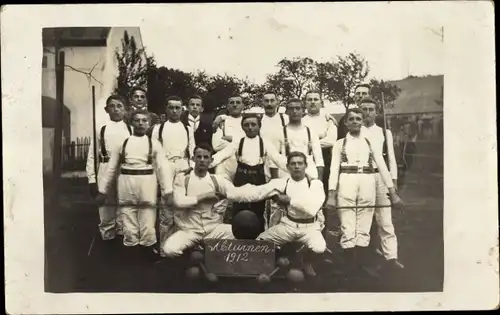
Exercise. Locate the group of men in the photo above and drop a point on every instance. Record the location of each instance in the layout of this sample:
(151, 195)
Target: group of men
(275, 173)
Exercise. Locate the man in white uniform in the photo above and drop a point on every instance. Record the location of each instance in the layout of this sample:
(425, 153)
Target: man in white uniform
(252, 153)
(140, 164)
(352, 184)
(110, 136)
(139, 100)
(383, 216)
(177, 141)
(228, 132)
(198, 209)
(323, 127)
(301, 199)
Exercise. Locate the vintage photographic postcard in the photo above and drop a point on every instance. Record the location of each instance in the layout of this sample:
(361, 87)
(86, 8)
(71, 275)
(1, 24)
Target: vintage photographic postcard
(287, 157)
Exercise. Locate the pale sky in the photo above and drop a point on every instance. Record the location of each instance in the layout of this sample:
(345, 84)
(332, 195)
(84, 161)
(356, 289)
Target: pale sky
(249, 39)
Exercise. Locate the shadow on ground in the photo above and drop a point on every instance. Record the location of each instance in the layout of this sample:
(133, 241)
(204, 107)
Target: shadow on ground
(70, 228)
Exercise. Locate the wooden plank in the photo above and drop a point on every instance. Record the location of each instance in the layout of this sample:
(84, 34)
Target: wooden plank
(239, 258)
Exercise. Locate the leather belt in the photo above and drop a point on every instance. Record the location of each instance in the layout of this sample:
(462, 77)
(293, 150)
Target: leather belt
(358, 170)
(304, 221)
(136, 172)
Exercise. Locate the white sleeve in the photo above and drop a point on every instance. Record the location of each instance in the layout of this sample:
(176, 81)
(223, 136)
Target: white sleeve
(393, 165)
(180, 198)
(217, 142)
(382, 168)
(224, 154)
(155, 132)
(90, 168)
(310, 201)
(335, 165)
(276, 160)
(192, 141)
(316, 150)
(250, 193)
(163, 170)
(111, 169)
(331, 135)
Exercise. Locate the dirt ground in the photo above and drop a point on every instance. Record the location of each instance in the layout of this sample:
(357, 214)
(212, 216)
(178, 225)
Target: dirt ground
(71, 226)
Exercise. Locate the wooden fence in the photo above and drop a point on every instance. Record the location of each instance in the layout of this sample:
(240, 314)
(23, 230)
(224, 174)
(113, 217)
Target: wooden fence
(74, 154)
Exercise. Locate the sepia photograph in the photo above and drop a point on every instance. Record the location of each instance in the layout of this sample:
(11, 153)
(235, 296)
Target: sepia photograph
(263, 148)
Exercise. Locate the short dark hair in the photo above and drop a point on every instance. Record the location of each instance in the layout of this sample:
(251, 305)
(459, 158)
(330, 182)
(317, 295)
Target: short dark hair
(269, 92)
(137, 88)
(368, 100)
(296, 154)
(203, 146)
(310, 92)
(195, 96)
(173, 98)
(354, 110)
(366, 85)
(295, 100)
(140, 111)
(234, 96)
(116, 97)
(246, 116)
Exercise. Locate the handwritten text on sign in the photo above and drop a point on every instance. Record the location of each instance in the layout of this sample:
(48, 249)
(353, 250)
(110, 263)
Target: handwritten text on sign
(239, 257)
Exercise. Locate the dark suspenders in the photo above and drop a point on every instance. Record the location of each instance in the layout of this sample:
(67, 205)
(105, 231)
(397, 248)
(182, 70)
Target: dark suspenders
(286, 186)
(160, 137)
(212, 177)
(261, 149)
(343, 154)
(287, 145)
(104, 153)
(150, 151)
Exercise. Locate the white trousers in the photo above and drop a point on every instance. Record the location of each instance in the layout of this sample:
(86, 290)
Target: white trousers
(274, 213)
(287, 231)
(383, 217)
(185, 238)
(355, 224)
(138, 222)
(109, 215)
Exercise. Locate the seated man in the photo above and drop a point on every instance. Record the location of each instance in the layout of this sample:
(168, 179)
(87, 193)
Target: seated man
(301, 199)
(198, 212)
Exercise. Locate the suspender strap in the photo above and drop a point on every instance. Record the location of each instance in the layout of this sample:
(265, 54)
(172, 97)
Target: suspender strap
(122, 157)
(129, 128)
(104, 154)
(187, 137)
(150, 151)
(343, 154)
(261, 147)
(309, 144)
(240, 147)
(212, 177)
(282, 120)
(287, 146)
(160, 133)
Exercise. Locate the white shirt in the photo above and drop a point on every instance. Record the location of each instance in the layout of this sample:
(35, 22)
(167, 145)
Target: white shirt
(114, 135)
(272, 128)
(230, 127)
(175, 139)
(375, 135)
(324, 128)
(250, 154)
(194, 122)
(298, 141)
(136, 158)
(357, 151)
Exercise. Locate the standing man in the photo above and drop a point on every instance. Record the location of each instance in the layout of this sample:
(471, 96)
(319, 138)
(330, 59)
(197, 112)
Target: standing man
(296, 136)
(323, 127)
(228, 132)
(383, 216)
(355, 161)
(252, 153)
(110, 136)
(139, 100)
(177, 140)
(193, 117)
(361, 91)
(140, 164)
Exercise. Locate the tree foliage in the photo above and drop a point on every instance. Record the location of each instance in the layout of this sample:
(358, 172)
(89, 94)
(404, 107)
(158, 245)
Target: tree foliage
(390, 91)
(133, 65)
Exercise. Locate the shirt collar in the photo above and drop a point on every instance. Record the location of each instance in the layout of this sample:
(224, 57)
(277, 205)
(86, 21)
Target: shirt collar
(191, 118)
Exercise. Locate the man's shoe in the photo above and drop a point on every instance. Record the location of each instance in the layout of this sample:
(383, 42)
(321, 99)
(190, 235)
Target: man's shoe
(394, 264)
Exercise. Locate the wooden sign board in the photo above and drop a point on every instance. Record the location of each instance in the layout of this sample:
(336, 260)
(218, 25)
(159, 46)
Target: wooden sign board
(239, 257)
